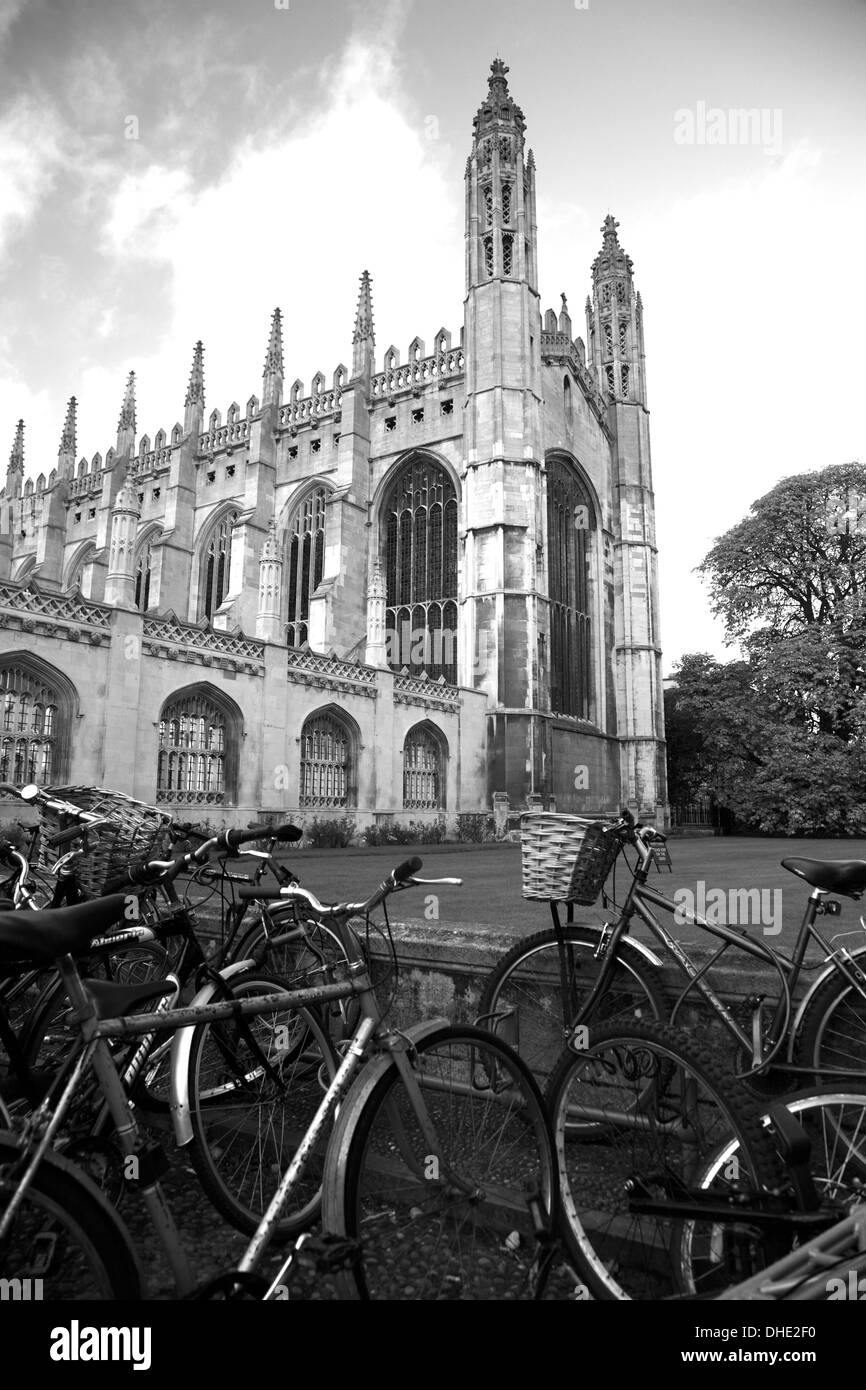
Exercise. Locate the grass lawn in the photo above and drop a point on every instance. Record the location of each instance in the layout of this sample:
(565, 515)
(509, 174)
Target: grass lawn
(491, 891)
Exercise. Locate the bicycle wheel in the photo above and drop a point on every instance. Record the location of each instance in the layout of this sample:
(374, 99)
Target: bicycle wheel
(304, 954)
(254, 1087)
(45, 1037)
(528, 981)
(637, 1115)
(64, 1236)
(834, 1118)
(832, 1031)
(443, 1209)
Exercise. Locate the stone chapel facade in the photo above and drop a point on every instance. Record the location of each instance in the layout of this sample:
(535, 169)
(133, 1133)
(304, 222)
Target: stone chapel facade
(429, 580)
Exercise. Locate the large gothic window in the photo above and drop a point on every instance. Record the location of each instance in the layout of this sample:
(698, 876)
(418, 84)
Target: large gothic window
(420, 522)
(194, 763)
(34, 720)
(569, 515)
(306, 563)
(216, 566)
(327, 762)
(423, 770)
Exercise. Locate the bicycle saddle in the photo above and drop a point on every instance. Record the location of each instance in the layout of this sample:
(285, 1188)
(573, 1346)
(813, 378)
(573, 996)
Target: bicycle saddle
(112, 999)
(58, 931)
(847, 876)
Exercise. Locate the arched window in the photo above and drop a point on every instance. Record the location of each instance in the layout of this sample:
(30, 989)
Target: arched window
(142, 573)
(35, 714)
(196, 747)
(420, 524)
(306, 563)
(216, 566)
(327, 762)
(569, 516)
(568, 403)
(423, 770)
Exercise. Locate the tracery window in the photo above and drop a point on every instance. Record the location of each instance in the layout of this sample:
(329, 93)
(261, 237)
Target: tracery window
(306, 563)
(488, 207)
(216, 563)
(423, 779)
(420, 523)
(568, 509)
(193, 746)
(31, 727)
(507, 254)
(506, 202)
(327, 762)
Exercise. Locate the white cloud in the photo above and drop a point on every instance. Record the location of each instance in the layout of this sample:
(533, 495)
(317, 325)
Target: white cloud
(30, 155)
(297, 217)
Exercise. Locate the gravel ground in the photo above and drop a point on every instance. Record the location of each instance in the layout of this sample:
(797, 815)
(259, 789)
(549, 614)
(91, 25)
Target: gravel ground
(213, 1247)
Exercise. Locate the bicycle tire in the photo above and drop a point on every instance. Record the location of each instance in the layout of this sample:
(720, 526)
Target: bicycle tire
(832, 1031)
(528, 981)
(246, 1128)
(303, 961)
(66, 1234)
(457, 1223)
(633, 1080)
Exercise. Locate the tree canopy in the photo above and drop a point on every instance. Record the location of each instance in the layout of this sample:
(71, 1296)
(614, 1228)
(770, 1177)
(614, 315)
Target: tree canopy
(779, 737)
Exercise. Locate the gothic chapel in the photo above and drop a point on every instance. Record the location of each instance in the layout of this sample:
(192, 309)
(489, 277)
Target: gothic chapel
(426, 582)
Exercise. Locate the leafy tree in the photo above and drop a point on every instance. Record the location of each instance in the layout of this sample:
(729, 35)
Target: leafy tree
(780, 736)
(797, 560)
(761, 751)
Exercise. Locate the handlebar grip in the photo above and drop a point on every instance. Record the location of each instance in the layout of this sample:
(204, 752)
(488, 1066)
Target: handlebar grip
(407, 869)
(74, 832)
(287, 833)
(251, 892)
(136, 875)
(233, 839)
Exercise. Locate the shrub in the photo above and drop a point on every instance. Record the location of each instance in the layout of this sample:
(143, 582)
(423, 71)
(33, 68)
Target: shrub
(472, 827)
(330, 834)
(377, 835)
(432, 832)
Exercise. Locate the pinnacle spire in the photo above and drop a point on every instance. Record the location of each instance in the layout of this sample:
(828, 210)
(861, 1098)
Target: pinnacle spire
(127, 410)
(364, 315)
(274, 355)
(611, 259)
(68, 439)
(364, 336)
(499, 110)
(16, 458)
(195, 390)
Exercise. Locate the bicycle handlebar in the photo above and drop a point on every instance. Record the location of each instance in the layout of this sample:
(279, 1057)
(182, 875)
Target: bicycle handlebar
(400, 877)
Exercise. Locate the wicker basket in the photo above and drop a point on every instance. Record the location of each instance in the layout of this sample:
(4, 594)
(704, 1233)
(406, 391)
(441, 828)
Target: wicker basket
(134, 834)
(565, 858)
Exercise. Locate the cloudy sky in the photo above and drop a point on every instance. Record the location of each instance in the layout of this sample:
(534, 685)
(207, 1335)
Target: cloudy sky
(170, 172)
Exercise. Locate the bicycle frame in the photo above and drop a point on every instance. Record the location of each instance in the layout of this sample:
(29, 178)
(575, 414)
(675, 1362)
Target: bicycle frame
(639, 900)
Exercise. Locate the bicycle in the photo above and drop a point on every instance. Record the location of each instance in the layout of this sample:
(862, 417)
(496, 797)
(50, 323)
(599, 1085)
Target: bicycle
(441, 1132)
(562, 977)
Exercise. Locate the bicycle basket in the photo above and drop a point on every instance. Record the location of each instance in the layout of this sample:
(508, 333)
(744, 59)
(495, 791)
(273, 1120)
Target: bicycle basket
(565, 858)
(134, 834)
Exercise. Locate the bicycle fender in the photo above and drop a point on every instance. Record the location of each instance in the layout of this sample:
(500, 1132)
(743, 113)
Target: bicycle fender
(349, 1114)
(628, 943)
(858, 956)
(181, 1045)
